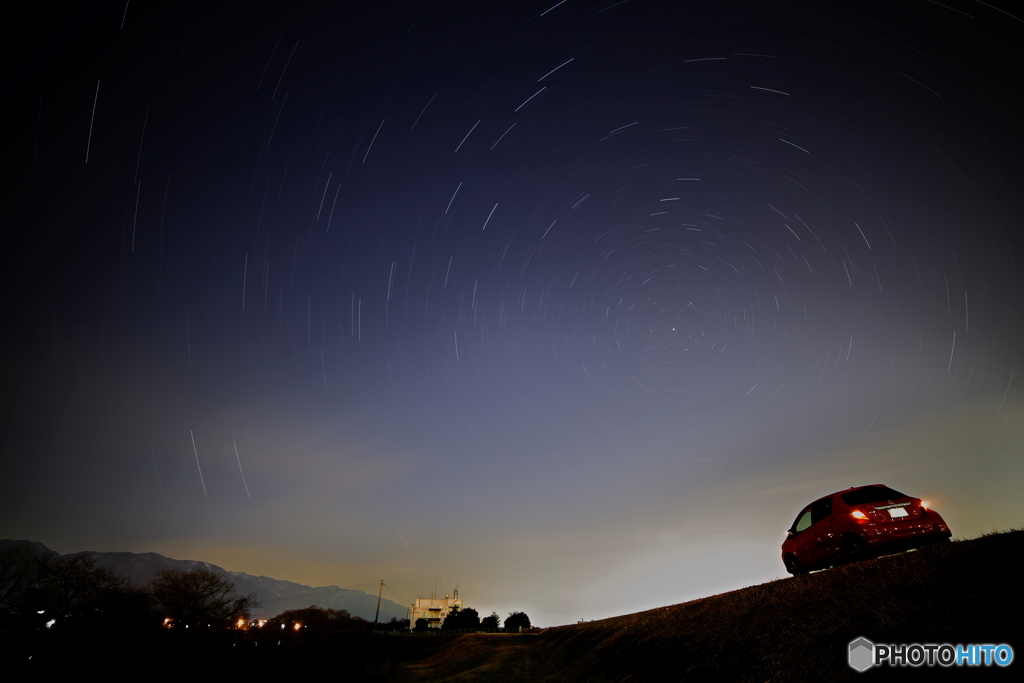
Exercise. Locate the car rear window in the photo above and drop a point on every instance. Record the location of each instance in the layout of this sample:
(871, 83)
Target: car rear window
(872, 494)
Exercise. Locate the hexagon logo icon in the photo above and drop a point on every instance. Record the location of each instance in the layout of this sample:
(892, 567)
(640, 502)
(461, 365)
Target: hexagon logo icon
(862, 654)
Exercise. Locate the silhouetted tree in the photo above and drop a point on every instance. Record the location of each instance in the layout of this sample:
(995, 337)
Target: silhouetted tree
(452, 618)
(41, 587)
(129, 606)
(199, 597)
(395, 624)
(422, 624)
(74, 586)
(461, 618)
(493, 621)
(516, 620)
(22, 568)
(323, 619)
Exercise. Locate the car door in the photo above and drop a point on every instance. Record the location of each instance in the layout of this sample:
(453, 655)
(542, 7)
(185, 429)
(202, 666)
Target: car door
(813, 535)
(825, 538)
(804, 546)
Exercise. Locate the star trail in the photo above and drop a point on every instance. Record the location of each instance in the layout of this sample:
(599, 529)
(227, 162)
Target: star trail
(573, 305)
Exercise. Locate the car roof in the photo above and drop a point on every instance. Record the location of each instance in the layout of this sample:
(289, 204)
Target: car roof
(852, 488)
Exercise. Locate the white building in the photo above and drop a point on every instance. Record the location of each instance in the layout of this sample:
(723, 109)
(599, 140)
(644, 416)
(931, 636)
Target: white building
(434, 610)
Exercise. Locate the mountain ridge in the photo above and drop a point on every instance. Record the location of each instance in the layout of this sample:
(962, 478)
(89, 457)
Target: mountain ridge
(275, 595)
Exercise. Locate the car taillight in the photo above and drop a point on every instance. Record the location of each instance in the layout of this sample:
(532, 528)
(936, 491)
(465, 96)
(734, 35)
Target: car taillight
(857, 514)
(924, 505)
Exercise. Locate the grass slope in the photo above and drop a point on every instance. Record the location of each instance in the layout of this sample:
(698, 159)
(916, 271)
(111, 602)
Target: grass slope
(793, 629)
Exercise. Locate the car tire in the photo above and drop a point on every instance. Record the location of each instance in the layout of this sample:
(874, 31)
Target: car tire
(793, 565)
(856, 548)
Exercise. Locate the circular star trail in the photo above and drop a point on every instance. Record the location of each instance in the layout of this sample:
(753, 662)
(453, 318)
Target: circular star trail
(550, 300)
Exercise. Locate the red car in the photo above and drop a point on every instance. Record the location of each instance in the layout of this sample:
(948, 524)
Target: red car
(858, 523)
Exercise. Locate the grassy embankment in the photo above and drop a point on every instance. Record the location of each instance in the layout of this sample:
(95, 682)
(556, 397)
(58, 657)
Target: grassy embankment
(793, 629)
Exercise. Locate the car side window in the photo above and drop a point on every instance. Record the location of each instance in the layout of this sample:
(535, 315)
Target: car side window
(803, 521)
(820, 510)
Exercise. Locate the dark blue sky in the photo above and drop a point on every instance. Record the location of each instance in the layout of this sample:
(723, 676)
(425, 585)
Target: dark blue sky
(572, 306)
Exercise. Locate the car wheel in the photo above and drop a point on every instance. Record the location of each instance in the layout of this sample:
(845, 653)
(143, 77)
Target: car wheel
(857, 548)
(793, 566)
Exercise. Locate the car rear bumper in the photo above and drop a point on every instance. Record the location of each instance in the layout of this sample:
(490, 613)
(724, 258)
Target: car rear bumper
(907, 533)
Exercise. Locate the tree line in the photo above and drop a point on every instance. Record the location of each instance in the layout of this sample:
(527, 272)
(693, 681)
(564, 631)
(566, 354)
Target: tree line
(467, 617)
(45, 590)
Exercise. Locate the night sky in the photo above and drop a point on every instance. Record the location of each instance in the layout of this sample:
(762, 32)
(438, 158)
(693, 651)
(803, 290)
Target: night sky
(572, 305)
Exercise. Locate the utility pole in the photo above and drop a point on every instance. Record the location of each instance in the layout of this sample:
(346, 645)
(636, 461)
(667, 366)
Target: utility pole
(379, 593)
